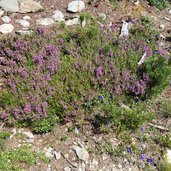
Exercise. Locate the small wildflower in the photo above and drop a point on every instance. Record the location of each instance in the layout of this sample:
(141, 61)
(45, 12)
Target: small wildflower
(129, 149)
(132, 21)
(142, 129)
(143, 157)
(150, 160)
(100, 97)
(3, 115)
(155, 51)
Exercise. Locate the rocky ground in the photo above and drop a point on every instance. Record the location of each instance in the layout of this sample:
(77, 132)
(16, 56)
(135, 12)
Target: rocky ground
(73, 148)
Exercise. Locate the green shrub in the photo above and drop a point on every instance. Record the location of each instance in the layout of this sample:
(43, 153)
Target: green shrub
(165, 108)
(160, 4)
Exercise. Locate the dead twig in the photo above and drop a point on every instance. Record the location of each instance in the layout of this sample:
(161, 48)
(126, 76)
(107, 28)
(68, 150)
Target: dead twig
(159, 127)
(1, 126)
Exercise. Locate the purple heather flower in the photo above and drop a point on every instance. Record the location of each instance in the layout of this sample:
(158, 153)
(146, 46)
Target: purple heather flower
(100, 97)
(47, 77)
(22, 72)
(40, 31)
(150, 160)
(99, 71)
(27, 108)
(143, 157)
(3, 115)
(129, 149)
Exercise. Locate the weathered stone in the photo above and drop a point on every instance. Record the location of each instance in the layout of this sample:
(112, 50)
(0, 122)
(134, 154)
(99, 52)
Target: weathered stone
(45, 21)
(48, 152)
(26, 6)
(57, 155)
(6, 28)
(28, 134)
(6, 19)
(76, 6)
(1, 12)
(26, 17)
(67, 169)
(72, 22)
(24, 32)
(102, 16)
(9, 5)
(24, 23)
(58, 16)
(81, 153)
(168, 156)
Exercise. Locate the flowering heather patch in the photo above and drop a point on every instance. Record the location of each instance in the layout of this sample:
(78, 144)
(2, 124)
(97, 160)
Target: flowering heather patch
(49, 74)
(29, 83)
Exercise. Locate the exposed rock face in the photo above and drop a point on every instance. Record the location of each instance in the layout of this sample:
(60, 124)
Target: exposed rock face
(9, 5)
(26, 6)
(6, 28)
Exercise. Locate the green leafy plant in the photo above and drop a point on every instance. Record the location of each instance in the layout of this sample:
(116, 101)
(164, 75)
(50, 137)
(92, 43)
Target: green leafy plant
(160, 4)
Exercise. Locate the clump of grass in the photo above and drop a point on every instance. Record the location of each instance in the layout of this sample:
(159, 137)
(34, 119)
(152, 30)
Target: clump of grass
(160, 4)
(165, 109)
(10, 159)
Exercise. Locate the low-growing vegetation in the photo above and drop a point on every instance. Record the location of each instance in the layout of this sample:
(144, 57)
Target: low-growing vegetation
(87, 72)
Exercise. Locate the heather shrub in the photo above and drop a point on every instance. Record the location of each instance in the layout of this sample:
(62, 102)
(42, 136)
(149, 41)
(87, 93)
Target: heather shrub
(64, 77)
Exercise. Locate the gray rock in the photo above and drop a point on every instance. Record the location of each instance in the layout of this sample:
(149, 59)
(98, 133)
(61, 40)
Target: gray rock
(162, 26)
(6, 28)
(81, 153)
(72, 22)
(26, 17)
(1, 12)
(24, 23)
(48, 152)
(58, 16)
(57, 155)
(102, 16)
(45, 21)
(76, 6)
(26, 6)
(93, 164)
(9, 5)
(168, 156)
(6, 19)
(83, 24)
(67, 169)
(28, 134)
(24, 32)
(169, 11)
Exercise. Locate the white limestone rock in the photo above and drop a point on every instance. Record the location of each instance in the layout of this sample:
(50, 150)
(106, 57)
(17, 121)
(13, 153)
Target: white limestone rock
(26, 6)
(76, 6)
(81, 153)
(24, 23)
(6, 19)
(9, 5)
(45, 21)
(58, 16)
(26, 17)
(6, 28)
(71, 22)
